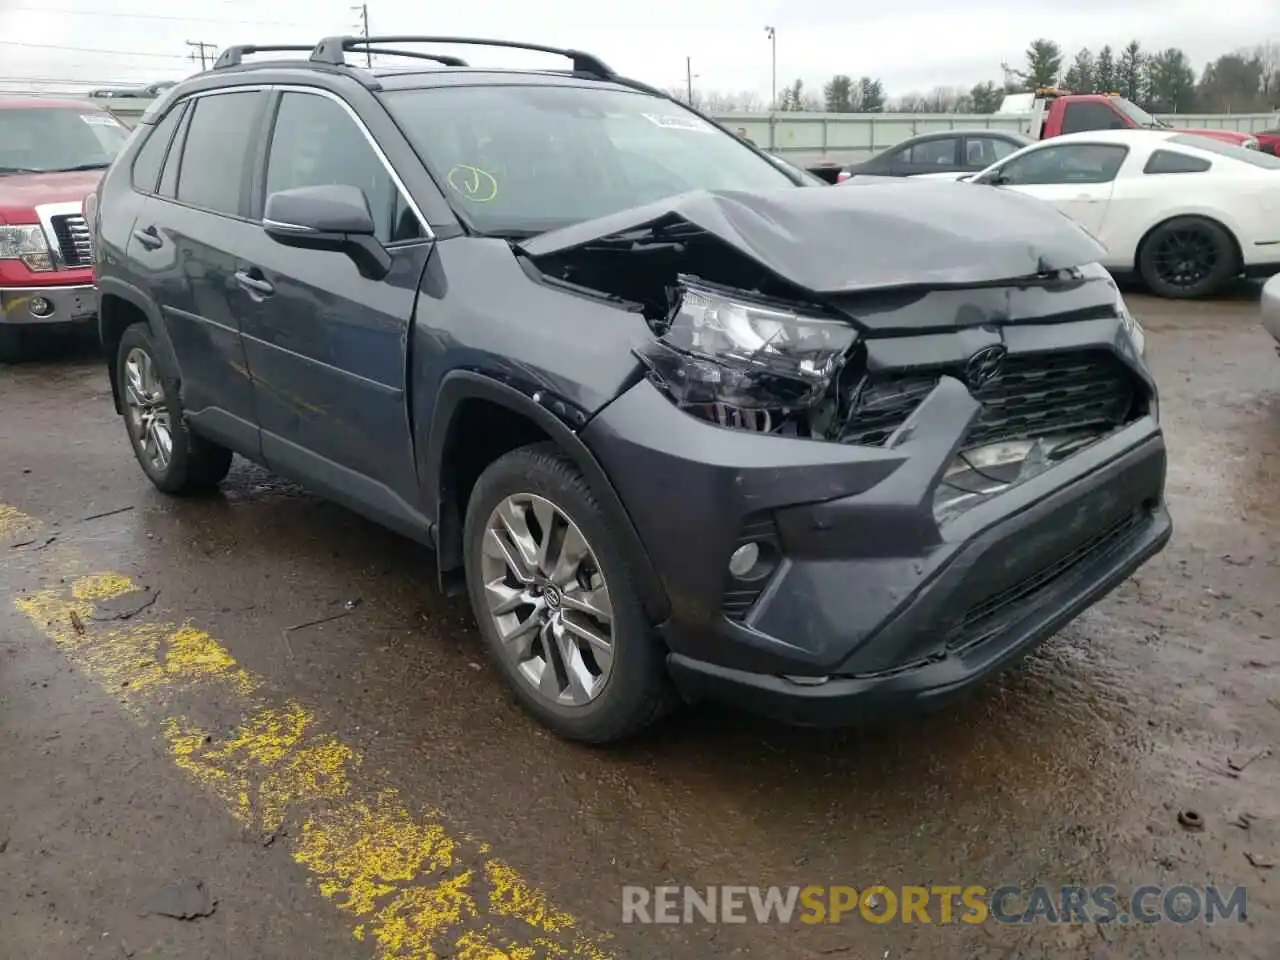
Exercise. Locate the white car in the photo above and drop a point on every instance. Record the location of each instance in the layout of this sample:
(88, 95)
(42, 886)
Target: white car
(1184, 212)
(1271, 308)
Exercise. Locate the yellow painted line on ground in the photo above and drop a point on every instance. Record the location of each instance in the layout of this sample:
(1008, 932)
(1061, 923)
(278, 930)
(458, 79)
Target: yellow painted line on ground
(410, 887)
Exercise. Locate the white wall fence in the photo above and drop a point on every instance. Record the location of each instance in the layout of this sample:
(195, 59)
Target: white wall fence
(809, 139)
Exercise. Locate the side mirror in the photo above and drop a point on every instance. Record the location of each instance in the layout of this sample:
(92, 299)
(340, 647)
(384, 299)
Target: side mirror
(330, 217)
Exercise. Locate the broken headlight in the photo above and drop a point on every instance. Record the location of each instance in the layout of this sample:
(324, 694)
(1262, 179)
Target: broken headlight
(721, 347)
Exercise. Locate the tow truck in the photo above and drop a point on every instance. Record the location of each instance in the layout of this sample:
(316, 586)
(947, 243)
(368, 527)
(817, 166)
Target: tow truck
(1052, 111)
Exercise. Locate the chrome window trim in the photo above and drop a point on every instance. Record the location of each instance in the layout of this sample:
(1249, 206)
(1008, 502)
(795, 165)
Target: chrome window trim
(427, 232)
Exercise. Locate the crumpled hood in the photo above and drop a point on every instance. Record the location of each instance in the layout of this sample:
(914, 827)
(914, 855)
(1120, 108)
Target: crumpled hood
(832, 240)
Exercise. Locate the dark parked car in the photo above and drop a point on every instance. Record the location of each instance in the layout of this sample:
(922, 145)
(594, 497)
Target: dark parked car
(685, 424)
(949, 151)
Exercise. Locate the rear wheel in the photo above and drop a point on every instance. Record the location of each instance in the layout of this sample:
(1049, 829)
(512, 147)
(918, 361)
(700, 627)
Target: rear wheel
(1187, 257)
(555, 601)
(176, 460)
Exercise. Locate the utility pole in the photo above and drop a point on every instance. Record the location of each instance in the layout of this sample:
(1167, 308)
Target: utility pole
(199, 51)
(363, 10)
(773, 75)
(688, 80)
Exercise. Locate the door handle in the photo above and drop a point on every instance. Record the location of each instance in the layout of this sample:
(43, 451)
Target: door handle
(254, 285)
(149, 238)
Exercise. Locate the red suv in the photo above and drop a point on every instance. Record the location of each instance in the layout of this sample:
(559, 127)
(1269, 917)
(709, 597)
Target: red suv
(52, 154)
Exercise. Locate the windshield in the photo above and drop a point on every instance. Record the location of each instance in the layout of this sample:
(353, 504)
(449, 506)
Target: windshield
(1137, 114)
(524, 159)
(48, 139)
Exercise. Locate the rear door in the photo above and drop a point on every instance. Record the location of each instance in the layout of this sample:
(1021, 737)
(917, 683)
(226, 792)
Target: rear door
(183, 240)
(326, 346)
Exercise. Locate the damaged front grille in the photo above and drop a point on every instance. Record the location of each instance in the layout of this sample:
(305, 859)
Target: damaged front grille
(1035, 395)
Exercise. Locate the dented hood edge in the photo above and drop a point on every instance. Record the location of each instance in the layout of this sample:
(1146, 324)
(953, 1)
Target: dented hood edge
(884, 235)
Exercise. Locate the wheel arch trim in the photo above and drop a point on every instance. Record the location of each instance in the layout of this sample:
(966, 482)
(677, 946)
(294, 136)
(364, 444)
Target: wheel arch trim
(459, 386)
(114, 287)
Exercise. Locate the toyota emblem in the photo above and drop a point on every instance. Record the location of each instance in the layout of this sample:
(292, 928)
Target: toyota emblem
(985, 366)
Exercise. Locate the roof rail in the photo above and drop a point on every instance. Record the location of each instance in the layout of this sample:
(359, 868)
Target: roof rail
(333, 50)
(234, 56)
(441, 58)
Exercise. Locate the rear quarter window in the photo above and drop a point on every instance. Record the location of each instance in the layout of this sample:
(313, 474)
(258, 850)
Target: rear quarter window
(1172, 161)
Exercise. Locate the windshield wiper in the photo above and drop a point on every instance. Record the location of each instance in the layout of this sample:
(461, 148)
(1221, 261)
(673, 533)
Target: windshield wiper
(18, 170)
(97, 165)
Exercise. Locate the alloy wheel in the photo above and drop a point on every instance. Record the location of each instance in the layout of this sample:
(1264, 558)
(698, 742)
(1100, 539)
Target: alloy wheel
(1184, 258)
(548, 599)
(148, 414)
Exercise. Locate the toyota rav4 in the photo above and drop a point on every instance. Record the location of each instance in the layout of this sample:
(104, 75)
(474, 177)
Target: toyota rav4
(684, 422)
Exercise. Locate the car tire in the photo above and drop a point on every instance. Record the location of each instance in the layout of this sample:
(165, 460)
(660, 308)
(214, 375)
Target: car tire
(12, 344)
(1187, 257)
(618, 693)
(153, 411)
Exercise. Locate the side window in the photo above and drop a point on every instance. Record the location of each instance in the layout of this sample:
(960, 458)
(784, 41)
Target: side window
(213, 157)
(1069, 163)
(316, 142)
(150, 157)
(1170, 161)
(981, 152)
(1091, 116)
(933, 153)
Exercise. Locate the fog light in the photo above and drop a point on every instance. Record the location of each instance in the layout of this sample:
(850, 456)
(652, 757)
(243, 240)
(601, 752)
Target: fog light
(743, 560)
(40, 307)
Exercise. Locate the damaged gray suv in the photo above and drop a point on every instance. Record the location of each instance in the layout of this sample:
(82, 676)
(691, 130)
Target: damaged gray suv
(684, 423)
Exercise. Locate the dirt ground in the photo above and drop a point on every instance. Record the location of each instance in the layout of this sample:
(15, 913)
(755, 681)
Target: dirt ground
(192, 766)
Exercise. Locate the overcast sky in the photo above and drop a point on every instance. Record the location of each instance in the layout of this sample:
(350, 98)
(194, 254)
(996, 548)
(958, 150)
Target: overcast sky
(931, 43)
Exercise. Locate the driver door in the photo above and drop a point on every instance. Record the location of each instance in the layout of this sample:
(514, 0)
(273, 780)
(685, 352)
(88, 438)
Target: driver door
(1077, 178)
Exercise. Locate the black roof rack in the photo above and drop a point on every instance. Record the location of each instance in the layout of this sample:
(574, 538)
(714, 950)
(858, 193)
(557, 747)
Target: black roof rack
(333, 50)
(441, 58)
(234, 56)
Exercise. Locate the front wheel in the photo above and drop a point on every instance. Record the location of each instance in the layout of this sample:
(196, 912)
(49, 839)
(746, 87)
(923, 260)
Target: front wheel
(555, 601)
(1187, 257)
(176, 460)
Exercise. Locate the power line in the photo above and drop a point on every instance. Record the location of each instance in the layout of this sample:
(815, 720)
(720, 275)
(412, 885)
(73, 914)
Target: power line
(201, 46)
(158, 16)
(97, 50)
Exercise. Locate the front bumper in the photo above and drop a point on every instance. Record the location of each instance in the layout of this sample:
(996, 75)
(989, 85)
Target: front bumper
(54, 305)
(1271, 308)
(876, 600)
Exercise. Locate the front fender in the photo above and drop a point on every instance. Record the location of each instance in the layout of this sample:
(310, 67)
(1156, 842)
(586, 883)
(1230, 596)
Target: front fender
(457, 387)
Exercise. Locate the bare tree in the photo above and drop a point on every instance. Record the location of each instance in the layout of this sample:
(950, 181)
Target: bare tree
(1268, 57)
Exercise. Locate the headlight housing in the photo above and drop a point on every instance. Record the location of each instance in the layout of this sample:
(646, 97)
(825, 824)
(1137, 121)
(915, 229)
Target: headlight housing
(721, 347)
(26, 242)
(1132, 327)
